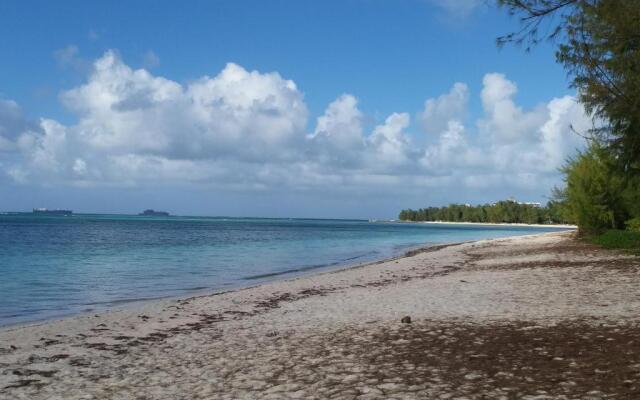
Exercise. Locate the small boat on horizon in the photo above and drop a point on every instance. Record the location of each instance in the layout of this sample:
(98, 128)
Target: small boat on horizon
(153, 213)
(46, 211)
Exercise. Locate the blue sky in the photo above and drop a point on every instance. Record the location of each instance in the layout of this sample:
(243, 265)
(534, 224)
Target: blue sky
(502, 133)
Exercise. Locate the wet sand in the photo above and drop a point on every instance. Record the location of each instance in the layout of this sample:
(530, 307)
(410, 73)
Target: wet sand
(529, 317)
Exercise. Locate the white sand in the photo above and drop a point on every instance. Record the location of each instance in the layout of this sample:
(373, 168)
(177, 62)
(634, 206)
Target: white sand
(287, 339)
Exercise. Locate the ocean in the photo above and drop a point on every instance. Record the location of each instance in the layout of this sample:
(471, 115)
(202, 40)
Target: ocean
(52, 266)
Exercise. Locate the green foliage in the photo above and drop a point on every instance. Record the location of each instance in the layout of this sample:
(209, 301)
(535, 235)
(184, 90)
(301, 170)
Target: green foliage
(599, 46)
(618, 239)
(602, 53)
(501, 212)
(593, 194)
(633, 224)
(598, 196)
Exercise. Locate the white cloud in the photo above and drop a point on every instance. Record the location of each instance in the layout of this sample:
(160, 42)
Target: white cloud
(389, 142)
(256, 114)
(247, 130)
(236, 113)
(131, 116)
(338, 139)
(438, 112)
(505, 121)
(512, 147)
(558, 141)
(537, 140)
(341, 123)
(452, 152)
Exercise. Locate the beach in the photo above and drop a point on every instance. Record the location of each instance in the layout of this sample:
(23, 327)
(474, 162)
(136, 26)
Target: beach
(560, 226)
(530, 317)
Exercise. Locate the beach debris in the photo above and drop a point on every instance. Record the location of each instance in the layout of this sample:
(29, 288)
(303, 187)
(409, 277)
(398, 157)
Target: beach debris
(155, 337)
(34, 358)
(79, 362)
(49, 342)
(116, 348)
(29, 372)
(406, 320)
(21, 383)
(122, 337)
(7, 350)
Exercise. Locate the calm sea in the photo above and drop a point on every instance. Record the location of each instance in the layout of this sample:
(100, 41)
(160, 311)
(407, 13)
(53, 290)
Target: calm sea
(53, 266)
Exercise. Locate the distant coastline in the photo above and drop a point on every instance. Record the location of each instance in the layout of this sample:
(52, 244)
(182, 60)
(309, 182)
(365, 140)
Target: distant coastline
(508, 211)
(566, 226)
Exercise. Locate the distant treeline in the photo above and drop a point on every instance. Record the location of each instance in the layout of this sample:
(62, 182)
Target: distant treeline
(501, 212)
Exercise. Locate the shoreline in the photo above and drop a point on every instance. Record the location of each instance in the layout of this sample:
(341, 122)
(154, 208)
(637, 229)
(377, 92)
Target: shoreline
(284, 276)
(338, 334)
(128, 305)
(63, 305)
(261, 280)
(558, 226)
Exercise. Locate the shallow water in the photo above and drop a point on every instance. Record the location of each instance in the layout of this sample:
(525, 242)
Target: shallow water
(53, 266)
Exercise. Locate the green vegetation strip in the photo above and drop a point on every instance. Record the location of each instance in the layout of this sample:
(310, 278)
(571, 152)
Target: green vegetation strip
(618, 239)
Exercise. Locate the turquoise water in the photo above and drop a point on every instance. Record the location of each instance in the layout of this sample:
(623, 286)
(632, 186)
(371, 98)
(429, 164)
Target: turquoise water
(55, 266)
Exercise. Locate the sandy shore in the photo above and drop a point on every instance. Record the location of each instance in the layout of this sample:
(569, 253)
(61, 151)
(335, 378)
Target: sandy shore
(530, 317)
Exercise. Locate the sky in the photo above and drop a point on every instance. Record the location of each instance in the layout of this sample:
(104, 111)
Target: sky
(324, 109)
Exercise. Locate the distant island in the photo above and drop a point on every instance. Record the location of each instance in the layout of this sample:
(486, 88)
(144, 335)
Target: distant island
(507, 211)
(45, 211)
(153, 213)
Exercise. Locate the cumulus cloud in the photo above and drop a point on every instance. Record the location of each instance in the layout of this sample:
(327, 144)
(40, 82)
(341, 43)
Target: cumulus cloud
(505, 121)
(389, 143)
(557, 136)
(338, 138)
(131, 120)
(248, 130)
(452, 152)
(511, 146)
(341, 123)
(236, 113)
(438, 112)
(536, 140)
